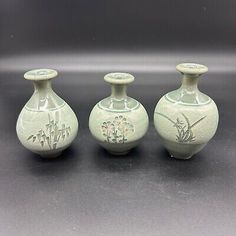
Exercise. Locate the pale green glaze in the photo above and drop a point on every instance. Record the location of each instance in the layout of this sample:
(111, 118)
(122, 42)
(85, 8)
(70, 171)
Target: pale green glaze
(186, 119)
(118, 122)
(46, 125)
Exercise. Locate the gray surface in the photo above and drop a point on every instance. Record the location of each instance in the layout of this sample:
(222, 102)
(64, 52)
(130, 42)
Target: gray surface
(27, 26)
(88, 192)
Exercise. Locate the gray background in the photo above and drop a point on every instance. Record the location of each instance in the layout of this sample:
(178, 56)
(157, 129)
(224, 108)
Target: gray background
(87, 191)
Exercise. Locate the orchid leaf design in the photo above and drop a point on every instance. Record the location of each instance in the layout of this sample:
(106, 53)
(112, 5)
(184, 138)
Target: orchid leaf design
(183, 127)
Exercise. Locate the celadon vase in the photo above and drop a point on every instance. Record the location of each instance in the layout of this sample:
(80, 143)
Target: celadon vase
(118, 122)
(46, 125)
(186, 119)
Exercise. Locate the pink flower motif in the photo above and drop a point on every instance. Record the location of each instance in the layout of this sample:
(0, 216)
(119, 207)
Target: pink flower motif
(117, 130)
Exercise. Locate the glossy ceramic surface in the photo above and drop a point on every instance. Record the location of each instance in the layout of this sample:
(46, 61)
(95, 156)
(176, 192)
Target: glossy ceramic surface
(46, 125)
(118, 122)
(186, 119)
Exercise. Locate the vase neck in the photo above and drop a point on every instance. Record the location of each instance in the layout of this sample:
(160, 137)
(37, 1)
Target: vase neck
(43, 98)
(118, 91)
(42, 87)
(188, 93)
(190, 83)
(43, 90)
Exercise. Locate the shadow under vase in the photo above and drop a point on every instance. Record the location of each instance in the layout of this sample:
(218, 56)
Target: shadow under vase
(106, 161)
(60, 166)
(200, 166)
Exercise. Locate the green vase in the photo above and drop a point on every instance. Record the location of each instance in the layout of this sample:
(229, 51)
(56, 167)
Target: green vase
(118, 122)
(186, 119)
(46, 125)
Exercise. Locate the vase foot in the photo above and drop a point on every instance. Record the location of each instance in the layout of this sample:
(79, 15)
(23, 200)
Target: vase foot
(118, 153)
(51, 155)
(179, 156)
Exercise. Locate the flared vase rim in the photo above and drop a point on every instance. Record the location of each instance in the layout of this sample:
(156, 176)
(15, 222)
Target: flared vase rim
(40, 74)
(119, 78)
(192, 68)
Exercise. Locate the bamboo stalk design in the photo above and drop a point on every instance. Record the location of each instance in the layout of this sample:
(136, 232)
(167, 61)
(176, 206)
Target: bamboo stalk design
(116, 131)
(51, 134)
(184, 128)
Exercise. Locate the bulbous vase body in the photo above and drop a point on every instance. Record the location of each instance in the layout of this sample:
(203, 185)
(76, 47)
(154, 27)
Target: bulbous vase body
(46, 125)
(118, 122)
(186, 119)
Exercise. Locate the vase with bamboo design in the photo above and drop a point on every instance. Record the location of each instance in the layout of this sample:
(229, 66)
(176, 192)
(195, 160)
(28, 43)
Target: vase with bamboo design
(46, 125)
(186, 119)
(118, 122)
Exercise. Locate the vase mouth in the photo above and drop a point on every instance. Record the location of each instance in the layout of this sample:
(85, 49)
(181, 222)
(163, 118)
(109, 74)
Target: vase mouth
(40, 74)
(191, 68)
(119, 78)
